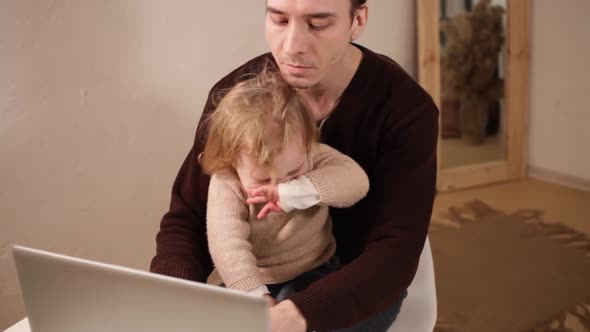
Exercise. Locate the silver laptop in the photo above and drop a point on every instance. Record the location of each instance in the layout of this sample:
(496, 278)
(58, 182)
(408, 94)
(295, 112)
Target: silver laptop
(66, 294)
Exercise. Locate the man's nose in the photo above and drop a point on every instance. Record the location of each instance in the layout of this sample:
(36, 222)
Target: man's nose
(296, 40)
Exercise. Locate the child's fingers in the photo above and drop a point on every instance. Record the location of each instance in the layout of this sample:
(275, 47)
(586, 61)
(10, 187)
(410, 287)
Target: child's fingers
(269, 207)
(265, 211)
(276, 208)
(257, 200)
(260, 191)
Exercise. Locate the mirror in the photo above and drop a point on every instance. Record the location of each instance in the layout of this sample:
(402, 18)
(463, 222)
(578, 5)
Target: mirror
(473, 58)
(472, 54)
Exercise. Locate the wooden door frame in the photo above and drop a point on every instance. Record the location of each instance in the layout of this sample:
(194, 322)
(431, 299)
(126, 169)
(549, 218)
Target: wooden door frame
(517, 94)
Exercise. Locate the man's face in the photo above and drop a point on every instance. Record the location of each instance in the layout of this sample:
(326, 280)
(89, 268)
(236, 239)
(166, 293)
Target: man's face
(308, 38)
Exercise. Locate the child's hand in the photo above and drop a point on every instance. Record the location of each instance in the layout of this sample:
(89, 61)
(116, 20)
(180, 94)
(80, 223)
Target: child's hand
(268, 194)
(263, 194)
(270, 206)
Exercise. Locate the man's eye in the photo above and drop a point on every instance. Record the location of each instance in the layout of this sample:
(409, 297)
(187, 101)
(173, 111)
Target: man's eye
(319, 24)
(318, 27)
(280, 22)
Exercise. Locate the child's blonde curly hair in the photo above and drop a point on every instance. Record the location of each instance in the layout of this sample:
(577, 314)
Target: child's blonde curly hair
(259, 116)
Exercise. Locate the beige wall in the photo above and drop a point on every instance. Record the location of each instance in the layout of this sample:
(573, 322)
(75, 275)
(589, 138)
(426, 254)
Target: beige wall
(98, 105)
(560, 88)
(392, 31)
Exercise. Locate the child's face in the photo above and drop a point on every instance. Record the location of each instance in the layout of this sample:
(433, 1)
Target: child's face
(290, 163)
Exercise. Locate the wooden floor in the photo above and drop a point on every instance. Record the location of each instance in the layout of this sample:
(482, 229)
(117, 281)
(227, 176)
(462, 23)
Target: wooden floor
(560, 204)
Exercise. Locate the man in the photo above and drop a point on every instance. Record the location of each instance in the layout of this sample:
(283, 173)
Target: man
(369, 109)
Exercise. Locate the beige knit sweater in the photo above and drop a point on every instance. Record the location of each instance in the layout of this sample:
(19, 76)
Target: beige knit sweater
(250, 252)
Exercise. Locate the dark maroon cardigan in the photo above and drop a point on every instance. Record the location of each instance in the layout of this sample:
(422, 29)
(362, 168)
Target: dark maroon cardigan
(389, 125)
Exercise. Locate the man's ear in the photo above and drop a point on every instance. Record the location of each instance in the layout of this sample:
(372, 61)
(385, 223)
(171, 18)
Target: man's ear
(359, 22)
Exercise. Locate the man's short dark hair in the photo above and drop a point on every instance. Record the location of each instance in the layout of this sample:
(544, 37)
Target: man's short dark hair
(356, 4)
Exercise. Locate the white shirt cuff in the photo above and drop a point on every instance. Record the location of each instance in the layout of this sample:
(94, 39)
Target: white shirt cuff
(299, 193)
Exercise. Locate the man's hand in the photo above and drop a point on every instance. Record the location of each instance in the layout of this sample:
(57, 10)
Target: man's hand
(285, 317)
(270, 300)
(268, 194)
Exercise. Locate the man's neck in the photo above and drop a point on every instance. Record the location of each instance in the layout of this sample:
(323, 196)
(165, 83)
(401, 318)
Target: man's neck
(324, 97)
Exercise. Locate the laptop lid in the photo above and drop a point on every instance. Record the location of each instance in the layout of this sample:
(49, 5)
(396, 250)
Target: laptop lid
(67, 294)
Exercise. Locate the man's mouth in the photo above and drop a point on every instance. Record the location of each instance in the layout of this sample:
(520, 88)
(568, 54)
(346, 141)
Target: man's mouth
(297, 66)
